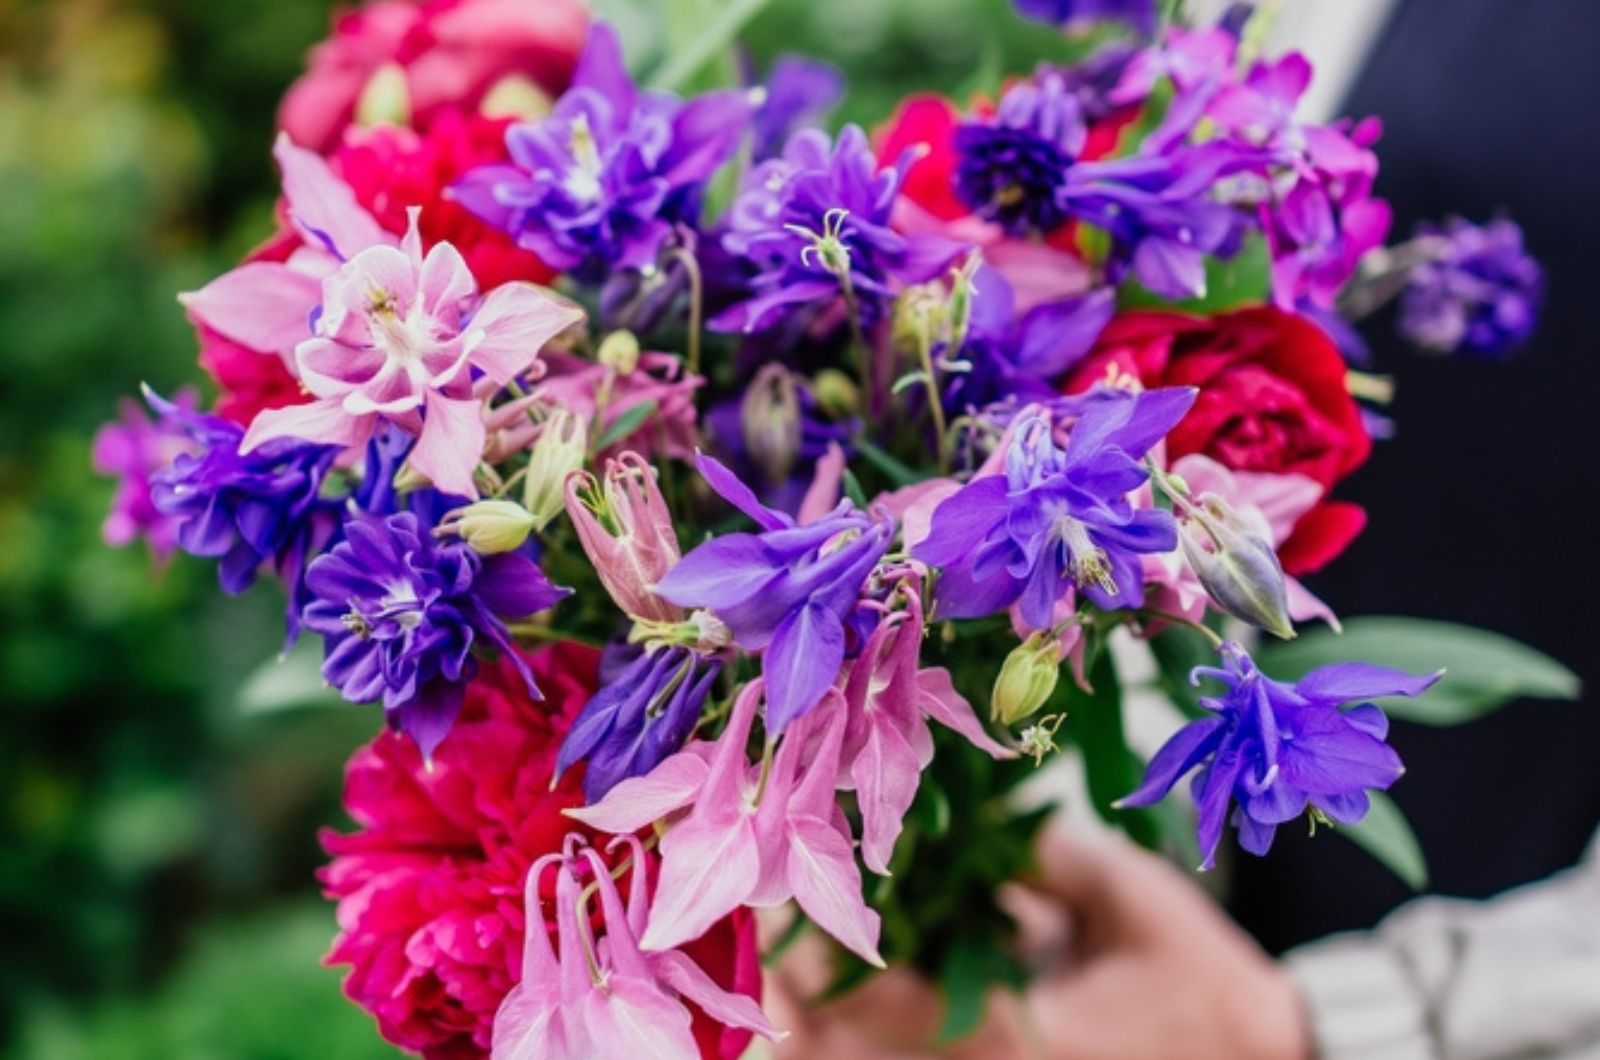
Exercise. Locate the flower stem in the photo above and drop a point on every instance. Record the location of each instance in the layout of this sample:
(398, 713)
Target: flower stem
(852, 307)
(691, 268)
(935, 405)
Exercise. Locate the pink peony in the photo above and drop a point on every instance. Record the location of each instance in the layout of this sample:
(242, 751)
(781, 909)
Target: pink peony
(430, 886)
(452, 53)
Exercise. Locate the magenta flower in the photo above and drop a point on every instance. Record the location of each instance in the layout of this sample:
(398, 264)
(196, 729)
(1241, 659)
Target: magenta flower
(605, 997)
(131, 449)
(397, 337)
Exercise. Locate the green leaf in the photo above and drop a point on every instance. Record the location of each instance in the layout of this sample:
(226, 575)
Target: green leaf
(1385, 835)
(710, 29)
(1244, 279)
(288, 682)
(892, 469)
(1111, 768)
(1178, 651)
(1483, 670)
(626, 424)
(853, 490)
(971, 967)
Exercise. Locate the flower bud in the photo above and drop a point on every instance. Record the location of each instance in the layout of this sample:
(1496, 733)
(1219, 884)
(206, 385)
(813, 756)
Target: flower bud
(558, 452)
(619, 351)
(769, 416)
(1236, 564)
(490, 526)
(626, 531)
(515, 96)
(1027, 678)
(385, 99)
(836, 394)
(960, 309)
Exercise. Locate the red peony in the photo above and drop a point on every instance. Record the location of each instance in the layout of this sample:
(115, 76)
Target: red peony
(430, 886)
(1273, 398)
(390, 168)
(452, 53)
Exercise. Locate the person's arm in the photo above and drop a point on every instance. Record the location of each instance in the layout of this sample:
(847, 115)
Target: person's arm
(1515, 976)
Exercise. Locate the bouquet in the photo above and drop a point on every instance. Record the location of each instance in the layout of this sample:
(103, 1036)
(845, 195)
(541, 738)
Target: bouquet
(732, 515)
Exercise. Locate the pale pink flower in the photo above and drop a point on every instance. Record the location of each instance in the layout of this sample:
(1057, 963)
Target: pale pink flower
(396, 337)
(626, 531)
(668, 430)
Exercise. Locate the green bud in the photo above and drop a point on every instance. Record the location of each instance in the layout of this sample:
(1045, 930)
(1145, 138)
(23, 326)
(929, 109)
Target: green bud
(1027, 678)
(619, 351)
(769, 416)
(490, 527)
(961, 292)
(559, 451)
(385, 99)
(836, 394)
(1236, 564)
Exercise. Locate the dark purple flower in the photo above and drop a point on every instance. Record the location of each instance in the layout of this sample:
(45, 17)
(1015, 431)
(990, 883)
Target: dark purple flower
(1479, 293)
(133, 448)
(1059, 517)
(1012, 166)
(813, 225)
(785, 591)
(1277, 749)
(639, 716)
(600, 182)
(797, 93)
(263, 507)
(1140, 14)
(401, 612)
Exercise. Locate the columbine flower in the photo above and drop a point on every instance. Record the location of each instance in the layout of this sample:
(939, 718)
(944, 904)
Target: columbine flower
(397, 337)
(599, 184)
(1058, 518)
(626, 531)
(784, 591)
(244, 509)
(1140, 14)
(133, 448)
(603, 996)
(1277, 749)
(1479, 293)
(400, 614)
(642, 714)
(815, 224)
(798, 93)
(1012, 165)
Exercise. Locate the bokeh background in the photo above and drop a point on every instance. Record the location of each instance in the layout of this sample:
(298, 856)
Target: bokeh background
(161, 785)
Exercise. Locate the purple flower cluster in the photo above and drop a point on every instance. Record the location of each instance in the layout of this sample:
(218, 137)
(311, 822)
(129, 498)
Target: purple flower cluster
(1272, 750)
(1479, 293)
(1011, 167)
(1139, 14)
(399, 614)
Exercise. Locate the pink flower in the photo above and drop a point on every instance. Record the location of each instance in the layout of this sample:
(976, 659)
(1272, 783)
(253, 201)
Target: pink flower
(396, 338)
(626, 531)
(451, 53)
(668, 430)
(131, 448)
(602, 996)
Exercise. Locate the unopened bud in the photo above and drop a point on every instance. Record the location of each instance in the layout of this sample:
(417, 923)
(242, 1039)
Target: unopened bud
(514, 96)
(769, 417)
(490, 526)
(836, 394)
(619, 351)
(1236, 564)
(558, 452)
(385, 99)
(962, 291)
(1027, 678)
(918, 317)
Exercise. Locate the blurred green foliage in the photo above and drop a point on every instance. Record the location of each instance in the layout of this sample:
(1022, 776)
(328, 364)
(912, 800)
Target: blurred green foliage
(159, 826)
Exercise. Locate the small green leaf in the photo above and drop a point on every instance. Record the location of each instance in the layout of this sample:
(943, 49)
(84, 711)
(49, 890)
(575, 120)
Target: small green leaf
(971, 967)
(288, 682)
(626, 424)
(1244, 279)
(1483, 670)
(853, 490)
(892, 469)
(1178, 651)
(1385, 834)
(1110, 766)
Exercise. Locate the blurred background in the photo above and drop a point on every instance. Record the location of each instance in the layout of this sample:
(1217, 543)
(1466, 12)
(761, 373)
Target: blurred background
(159, 805)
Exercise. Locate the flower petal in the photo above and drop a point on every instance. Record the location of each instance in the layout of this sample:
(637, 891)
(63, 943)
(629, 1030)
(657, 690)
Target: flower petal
(827, 885)
(261, 304)
(451, 444)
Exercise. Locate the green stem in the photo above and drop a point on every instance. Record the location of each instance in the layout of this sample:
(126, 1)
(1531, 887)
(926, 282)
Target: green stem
(696, 307)
(935, 405)
(863, 356)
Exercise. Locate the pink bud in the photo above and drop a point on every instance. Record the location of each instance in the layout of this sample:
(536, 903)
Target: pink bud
(626, 531)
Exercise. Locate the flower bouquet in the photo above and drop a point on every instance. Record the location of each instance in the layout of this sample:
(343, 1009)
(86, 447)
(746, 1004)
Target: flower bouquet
(732, 515)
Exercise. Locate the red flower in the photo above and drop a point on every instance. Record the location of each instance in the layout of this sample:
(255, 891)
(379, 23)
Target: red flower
(430, 886)
(1272, 398)
(249, 380)
(391, 168)
(452, 52)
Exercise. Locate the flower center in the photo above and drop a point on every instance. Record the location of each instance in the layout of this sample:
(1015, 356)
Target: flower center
(1086, 560)
(582, 181)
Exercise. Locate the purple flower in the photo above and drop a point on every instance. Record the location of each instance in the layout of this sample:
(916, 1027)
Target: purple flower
(785, 591)
(133, 448)
(600, 182)
(798, 92)
(244, 510)
(1479, 293)
(1276, 749)
(814, 225)
(1011, 168)
(1140, 14)
(400, 614)
(1059, 518)
(640, 715)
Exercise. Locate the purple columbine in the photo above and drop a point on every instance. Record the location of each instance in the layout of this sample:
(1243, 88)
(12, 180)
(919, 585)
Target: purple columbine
(798, 93)
(815, 225)
(1011, 167)
(1277, 749)
(133, 448)
(641, 714)
(1059, 518)
(262, 507)
(1139, 14)
(785, 591)
(1479, 293)
(600, 182)
(400, 614)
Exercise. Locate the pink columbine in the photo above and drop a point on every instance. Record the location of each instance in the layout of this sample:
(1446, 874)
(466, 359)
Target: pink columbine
(605, 997)
(626, 531)
(396, 338)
